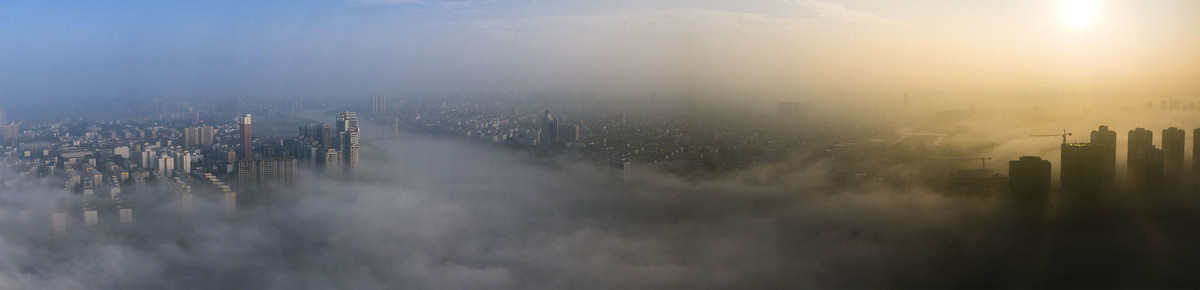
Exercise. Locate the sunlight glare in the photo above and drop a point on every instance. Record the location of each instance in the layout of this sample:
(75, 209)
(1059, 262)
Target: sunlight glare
(1079, 14)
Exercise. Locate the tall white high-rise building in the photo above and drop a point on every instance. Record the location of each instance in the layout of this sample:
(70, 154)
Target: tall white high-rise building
(331, 163)
(183, 162)
(348, 141)
(166, 165)
(147, 159)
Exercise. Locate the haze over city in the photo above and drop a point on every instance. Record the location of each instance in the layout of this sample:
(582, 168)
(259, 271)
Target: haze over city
(412, 144)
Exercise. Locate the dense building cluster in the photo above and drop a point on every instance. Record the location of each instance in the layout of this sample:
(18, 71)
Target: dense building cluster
(115, 167)
(692, 147)
(1089, 169)
(333, 150)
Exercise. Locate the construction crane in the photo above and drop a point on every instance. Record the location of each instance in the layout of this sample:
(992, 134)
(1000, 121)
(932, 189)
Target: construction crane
(984, 160)
(1063, 135)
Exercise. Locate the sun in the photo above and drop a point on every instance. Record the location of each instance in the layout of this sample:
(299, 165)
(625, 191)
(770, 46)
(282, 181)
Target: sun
(1079, 14)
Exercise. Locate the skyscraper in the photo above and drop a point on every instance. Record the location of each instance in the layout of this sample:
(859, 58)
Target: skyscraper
(395, 126)
(247, 174)
(306, 131)
(206, 135)
(1105, 141)
(183, 161)
(330, 163)
(246, 147)
(1151, 178)
(124, 213)
(350, 148)
(1173, 155)
(165, 165)
(318, 132)
(10, 132)
(568, 133)
(1029, 180)
(1082, 168)
(346, 121)
(230, 202)
(348, 141)
(378, 105)
(1196, 150)
(325, 134)
(549, 135)
(1139, 140)
(191, 136)
(254, 174)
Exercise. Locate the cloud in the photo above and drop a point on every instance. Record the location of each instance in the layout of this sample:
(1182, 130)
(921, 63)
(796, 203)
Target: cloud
(838, 12)
(443, 214)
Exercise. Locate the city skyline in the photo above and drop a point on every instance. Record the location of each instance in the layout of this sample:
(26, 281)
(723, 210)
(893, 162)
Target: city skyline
(661, 144)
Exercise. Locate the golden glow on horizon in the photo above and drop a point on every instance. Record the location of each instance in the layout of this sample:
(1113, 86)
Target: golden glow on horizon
(1079, 14)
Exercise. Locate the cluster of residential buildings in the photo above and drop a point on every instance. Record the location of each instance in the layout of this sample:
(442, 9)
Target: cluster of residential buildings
(104, 164)
(688, 147)
(1090, 168)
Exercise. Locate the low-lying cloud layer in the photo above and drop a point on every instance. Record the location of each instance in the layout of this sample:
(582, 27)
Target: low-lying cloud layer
(460, 216)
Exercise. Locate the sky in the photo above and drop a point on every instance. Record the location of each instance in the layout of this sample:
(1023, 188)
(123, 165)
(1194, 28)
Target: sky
(774, 49)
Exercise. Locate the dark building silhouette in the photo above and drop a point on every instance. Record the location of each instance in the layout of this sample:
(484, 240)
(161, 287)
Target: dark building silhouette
(1196, 150)
(1139, 140)
(1151, 177)
(267, 150)
(549, 134)
(1082, 168)
(1173, 147)
(1029, 180)
(568, 133)
(1105, 141)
